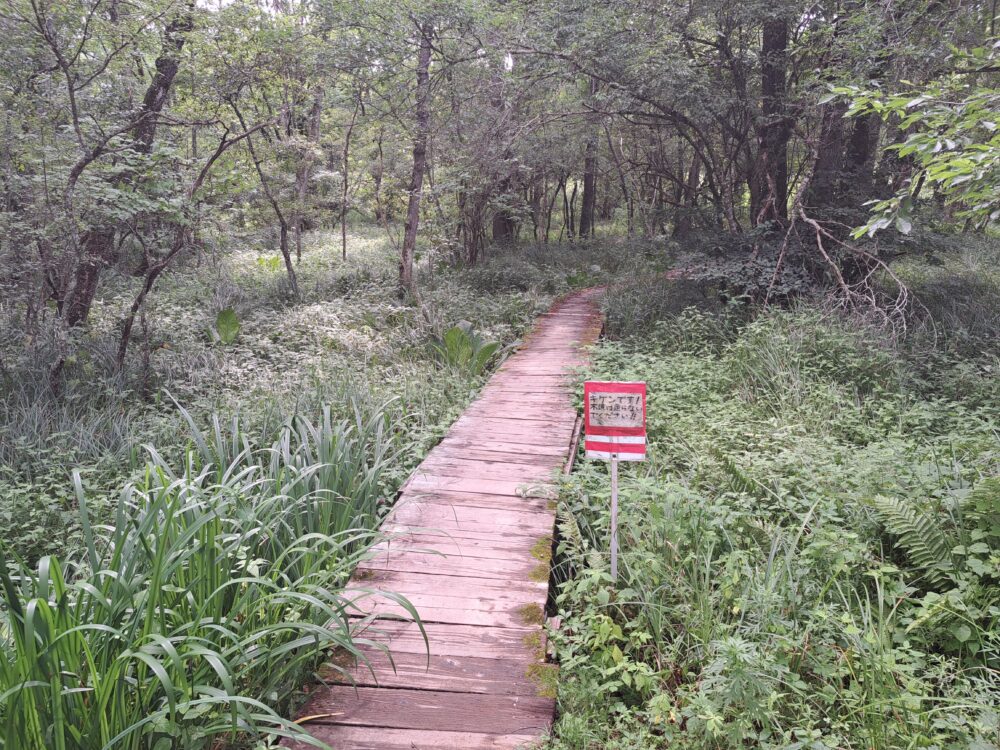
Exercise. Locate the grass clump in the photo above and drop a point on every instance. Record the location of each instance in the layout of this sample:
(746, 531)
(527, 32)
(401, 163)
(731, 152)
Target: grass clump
(345, 336)
(196, 615)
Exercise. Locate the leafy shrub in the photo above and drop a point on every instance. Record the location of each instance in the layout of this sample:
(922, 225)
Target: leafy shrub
(227, 327)
(966, 305)
(635, 305)
(746, 266)
(461, 348)
(510, 274)
(779, 360)
(808, 558)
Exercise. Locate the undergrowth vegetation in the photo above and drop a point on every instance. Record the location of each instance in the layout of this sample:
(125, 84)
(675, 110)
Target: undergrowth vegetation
(346, 338)
(198, 612)
(811, 555)
(259, 440)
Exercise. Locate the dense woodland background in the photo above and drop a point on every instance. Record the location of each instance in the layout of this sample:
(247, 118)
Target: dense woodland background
(139, 134)
(255, 256)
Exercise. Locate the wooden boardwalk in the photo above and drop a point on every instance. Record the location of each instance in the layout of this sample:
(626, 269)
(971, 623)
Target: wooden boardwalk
(468, 544)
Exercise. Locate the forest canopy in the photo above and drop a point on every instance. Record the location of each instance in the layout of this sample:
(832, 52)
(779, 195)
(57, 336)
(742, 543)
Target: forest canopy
(134, 132)
(258, 256)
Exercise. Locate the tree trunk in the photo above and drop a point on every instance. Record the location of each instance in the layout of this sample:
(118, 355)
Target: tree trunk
(623, 183)
(536, 199)
(304, 171)
(97, 250)
(560, 185)
(97, 245)
(345, 158)
(503, 223)
(275, 206)
(769, 185)
(589, 200)
(688, 199)
(860, 154)
(825, 186)
(422, 113)
(378, 170)
(569, 212)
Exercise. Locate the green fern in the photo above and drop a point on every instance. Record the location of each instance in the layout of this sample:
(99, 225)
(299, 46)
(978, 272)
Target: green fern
(739, 480)
(920, 535)
(462, 348)
(982, 507)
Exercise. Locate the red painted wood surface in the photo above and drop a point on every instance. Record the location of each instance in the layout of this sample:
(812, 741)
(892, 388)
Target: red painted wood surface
(466, 543)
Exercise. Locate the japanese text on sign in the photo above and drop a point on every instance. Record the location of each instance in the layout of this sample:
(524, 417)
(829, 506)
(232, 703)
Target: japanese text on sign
(616, 409)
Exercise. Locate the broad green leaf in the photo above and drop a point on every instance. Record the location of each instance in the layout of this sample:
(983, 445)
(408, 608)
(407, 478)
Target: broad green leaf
(227, 325)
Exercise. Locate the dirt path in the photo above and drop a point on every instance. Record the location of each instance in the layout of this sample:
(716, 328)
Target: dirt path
(469, 546)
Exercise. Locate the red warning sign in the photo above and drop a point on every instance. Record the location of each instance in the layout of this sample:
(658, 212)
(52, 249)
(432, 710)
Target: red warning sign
(615, 420)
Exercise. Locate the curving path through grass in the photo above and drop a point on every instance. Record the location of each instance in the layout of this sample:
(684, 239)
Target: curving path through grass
(468, 543)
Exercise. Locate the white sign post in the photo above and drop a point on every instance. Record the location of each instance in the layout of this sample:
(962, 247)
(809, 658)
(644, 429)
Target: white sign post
(614, 516)
(615, 423)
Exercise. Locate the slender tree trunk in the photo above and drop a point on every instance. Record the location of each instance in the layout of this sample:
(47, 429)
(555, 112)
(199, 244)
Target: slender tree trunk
(275, 206)
(623, 183)
(536, 198)
(301, 186)
(552, 204)
(97, 245)
(566, 216)
(345, 158)
(688, 198)
(377, 172)
(304, 172)
(769, 185)
(589, 201)
(407, 283)
(571, 209)
(503, 225)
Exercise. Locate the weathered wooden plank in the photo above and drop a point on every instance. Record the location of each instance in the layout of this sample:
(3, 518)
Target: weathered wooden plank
(510, 612)
(459, 519)
(471, 451)
(438, 562)
(451, 585)
(512, 430)
(457, 674)
(443, 639)
(463, 467)
(502, 419)
(514, 401)
(428, 482)
(465, 535)
(538, 414)
(533, 503)
(432, 710)
(460, 547)
(480, 442)
(381, 738)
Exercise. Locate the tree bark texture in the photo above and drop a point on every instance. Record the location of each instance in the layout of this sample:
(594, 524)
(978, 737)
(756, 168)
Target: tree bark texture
(422, 118)
(769, 186)
(97, 248)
